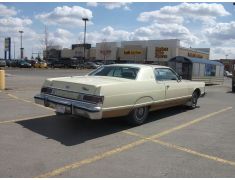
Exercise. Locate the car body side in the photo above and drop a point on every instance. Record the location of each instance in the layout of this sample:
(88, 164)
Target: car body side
(123, 95)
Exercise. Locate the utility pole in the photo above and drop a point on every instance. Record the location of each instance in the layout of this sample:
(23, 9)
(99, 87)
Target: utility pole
(21, 48)
(46, 41)
(84, 42)
(14, 48)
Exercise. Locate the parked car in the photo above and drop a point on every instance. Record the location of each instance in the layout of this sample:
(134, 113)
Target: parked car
(3, 63)
(32, 62)
(99, 63)
(9, 62)
(40, 64)
(24, 64)
(228, 74)
(90, 65)
(120, 90)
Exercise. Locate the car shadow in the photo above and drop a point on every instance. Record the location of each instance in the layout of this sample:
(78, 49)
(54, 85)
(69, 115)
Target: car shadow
(230, 92)
(71, 130)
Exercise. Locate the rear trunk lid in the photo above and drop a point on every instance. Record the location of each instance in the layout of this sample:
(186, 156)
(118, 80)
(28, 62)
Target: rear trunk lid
(83, 84)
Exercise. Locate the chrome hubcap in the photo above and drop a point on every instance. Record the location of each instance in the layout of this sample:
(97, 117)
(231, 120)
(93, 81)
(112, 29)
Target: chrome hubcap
(140, 112)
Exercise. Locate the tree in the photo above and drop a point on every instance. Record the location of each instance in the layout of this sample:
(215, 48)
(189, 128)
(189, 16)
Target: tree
(46, 42)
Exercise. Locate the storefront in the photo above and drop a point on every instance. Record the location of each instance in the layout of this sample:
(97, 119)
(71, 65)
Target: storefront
(198, 69)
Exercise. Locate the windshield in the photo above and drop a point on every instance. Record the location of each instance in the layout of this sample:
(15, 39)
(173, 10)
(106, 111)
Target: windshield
(116, 71)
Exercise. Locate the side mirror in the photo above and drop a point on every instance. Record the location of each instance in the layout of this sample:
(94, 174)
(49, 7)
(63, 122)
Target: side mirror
(179, 78)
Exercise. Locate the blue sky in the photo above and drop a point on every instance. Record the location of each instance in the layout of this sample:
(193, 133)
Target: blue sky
(210, 25)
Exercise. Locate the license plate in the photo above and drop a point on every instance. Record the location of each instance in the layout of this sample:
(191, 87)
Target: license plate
(60, 109)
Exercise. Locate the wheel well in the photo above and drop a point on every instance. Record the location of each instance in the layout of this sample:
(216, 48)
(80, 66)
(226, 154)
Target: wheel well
(198, 91)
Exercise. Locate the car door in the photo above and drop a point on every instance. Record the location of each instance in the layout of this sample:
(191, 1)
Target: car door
(174, 87)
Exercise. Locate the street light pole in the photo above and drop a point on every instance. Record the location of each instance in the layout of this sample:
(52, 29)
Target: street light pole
(21, 48)
(84, 42)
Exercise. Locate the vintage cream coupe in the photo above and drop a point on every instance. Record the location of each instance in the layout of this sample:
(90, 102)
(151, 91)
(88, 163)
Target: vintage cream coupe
(119, 90)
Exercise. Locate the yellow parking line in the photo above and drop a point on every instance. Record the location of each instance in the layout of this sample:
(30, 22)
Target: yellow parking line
(24, 119)
(123, 148)
(180, 148)
(168, 131)
(12, 96)
(190, 123)
(214, 158)
(92, 159)
(24, 100)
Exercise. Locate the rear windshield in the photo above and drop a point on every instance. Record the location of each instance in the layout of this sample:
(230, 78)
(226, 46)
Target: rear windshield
(116, 71)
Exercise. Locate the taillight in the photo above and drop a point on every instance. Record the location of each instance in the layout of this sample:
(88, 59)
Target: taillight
(93, 99)
(46, 90)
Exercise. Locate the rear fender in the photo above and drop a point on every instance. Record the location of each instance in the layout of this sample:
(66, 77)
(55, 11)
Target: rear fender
(143, 101)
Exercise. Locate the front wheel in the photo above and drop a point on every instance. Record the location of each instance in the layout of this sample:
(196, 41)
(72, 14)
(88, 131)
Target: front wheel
(138, 115)
(233, 86)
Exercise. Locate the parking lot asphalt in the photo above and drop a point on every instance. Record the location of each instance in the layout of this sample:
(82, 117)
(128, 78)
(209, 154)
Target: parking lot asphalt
(174, 142)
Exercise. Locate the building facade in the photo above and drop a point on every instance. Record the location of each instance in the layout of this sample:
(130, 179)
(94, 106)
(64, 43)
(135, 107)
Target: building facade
(149, 51)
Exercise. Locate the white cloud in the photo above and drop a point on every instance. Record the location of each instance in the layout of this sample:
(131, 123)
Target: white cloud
(108, 33)
(70, 16)
(221, 52)
(166, 31)
(14, 21)
(5, 11)
(159, 17)
(62, 37)
(197, 9)
(177, 14)
(111, 5)
(92, 4)
(221, 33)
(117, 5)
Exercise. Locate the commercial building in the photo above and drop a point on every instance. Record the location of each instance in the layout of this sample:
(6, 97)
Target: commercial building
(52, 52)
(150, 51)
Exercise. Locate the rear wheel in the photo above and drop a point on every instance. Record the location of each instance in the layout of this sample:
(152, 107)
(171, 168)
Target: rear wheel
(193, 103)
(138, 115)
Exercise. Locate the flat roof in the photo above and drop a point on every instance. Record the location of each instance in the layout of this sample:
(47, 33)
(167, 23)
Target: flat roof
(195, 60)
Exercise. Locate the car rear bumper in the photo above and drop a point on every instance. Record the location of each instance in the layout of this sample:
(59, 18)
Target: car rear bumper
(91, 111)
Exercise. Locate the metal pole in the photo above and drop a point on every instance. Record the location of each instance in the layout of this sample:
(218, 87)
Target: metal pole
(21, 48)
(14, 49)
(84, 42)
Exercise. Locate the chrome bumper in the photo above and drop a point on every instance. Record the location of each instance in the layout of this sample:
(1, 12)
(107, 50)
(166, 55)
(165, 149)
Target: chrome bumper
(80, 108)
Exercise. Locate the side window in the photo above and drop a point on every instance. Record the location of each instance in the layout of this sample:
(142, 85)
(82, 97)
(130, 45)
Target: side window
(165, 74)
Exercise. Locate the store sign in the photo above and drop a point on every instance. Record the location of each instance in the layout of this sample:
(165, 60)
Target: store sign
(194, 55)
(160, 52)
(132, 52)
(7, 43)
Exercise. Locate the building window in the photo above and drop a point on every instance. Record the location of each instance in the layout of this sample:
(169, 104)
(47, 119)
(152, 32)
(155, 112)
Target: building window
(210, 70)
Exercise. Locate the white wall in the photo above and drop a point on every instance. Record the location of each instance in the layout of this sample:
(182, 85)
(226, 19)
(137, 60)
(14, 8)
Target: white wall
(171, 44)
(112, 47)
